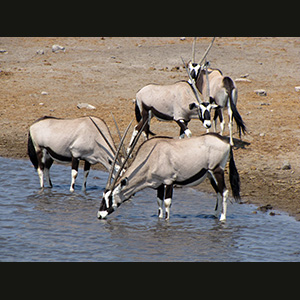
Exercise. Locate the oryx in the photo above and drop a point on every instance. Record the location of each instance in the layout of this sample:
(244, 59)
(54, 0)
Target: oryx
(211, 82)
(161, 162)
(68, 141)
(174, 102)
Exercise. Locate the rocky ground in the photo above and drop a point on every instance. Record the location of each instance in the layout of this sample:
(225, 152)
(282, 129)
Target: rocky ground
(107, 72)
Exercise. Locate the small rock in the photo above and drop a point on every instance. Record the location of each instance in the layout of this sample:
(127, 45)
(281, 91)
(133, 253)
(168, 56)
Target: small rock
(44, 93)
(57, 48)
(3, 51)
(265, 208)
(40, 52)
(85, 105)
(245, 75)
(182, 38)
(297, 88)
(262, 134)
(260, 92)
(286, 166)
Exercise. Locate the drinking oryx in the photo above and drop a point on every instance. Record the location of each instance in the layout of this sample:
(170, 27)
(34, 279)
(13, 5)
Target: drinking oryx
(68, 141)
(222, 90)
(161, 162)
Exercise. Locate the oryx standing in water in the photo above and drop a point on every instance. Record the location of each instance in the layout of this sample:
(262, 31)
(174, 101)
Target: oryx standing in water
(162, 162)
(68, 141)
(211, 83)
(174, 102)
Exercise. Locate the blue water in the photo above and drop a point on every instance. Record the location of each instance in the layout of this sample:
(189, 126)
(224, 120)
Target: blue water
(56, 225)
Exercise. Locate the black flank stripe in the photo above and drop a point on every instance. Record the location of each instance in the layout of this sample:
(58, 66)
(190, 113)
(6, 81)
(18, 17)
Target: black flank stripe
(193, 178)
(58, 156)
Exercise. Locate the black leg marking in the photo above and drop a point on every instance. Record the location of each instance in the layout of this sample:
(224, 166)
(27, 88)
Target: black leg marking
(160, 192)
(183, 126)
(169, 191)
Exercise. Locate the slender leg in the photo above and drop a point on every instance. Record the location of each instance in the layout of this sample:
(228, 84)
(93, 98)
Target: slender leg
(41, 166)
(48, 164)
(230, 124)
(224, 208)
(160, 198)
(87, 167)
(168, 199)
(218, 182)
(184, 129)
(74, 173)
(222, 122)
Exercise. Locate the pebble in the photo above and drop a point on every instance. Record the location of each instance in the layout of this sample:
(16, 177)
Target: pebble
(85, 105)
(297, 88)
(260, 92)
(44, 93)
(57, 48)
(40, 52)
(286, 166)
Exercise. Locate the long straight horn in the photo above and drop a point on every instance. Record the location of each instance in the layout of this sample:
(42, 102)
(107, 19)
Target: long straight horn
(116, 157)
(207, 81)
(127, 157)
(192, 81)
(207, 50)
(193, 50)
(102, 134)
(119, 133)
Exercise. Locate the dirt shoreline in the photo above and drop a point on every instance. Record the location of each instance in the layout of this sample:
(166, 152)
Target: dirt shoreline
(107, 73)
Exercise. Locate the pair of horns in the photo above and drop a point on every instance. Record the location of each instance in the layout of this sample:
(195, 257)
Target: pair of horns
(110, 186)
(205, 53)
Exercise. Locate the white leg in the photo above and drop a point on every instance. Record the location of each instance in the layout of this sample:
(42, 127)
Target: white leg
(160, 207)
(222, 124)
(134, 134)
(230, 124)
(188, 133)
(168, 203)
(41, 176)
(224, 208)
(74, 175)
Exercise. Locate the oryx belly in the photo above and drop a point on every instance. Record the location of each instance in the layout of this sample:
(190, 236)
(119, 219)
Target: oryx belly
(167, 102)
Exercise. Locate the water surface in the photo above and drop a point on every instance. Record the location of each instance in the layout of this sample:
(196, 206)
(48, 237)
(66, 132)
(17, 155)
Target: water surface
(56, 225)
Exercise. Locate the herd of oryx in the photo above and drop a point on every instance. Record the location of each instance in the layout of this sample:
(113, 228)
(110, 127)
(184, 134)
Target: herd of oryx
(160, 162)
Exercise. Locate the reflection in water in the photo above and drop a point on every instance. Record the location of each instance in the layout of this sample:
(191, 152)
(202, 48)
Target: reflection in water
(56, 225)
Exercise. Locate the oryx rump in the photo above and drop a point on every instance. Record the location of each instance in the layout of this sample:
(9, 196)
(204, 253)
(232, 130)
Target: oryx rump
(162, 162)
(68, 141)
(176, 102)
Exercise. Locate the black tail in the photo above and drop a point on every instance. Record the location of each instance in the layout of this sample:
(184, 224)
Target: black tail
(138, 115)
(236, 115)
(234, 178)
(31, 151)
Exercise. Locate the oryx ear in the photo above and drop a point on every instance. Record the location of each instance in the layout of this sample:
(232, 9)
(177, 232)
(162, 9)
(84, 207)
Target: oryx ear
(124, 182)
(193, 105)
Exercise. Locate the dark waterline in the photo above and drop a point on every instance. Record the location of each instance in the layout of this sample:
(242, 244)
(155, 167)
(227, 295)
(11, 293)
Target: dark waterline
(56, 225)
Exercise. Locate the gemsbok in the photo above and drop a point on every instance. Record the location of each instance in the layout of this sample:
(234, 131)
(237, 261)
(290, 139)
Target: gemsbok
(162, 162)
(222, 89)
(174, 102)
(69, 141)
